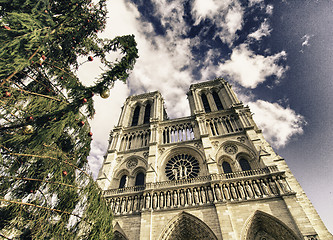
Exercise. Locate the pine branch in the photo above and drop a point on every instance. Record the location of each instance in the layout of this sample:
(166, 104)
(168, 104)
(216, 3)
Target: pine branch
(13, 74)
(44, 157)
(38, 206)
(39, 180)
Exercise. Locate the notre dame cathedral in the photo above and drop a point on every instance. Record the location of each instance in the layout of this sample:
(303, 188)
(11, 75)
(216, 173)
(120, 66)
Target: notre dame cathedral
(210, 175)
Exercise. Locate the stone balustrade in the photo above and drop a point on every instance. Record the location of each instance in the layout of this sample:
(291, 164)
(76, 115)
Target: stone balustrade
(225, 124)
(134, 139)
(178, 131)
(250, 185)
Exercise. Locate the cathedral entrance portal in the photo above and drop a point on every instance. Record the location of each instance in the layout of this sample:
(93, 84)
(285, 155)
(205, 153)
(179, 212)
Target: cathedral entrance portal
(187, 227)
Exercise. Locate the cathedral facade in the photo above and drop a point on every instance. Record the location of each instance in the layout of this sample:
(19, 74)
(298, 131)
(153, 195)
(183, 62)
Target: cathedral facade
(210, 175)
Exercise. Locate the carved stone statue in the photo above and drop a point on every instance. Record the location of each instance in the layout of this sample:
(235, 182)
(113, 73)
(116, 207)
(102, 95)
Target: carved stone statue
(248, 190)
(123, 205)
(175, 198)
(196, 196)
(283, 184)
(203, 195)
(226, 192)
(147, 201)
(273, 186)
(129, 204)
(116, 209)
(182, 197)
(218, 192)
(241, 191)
(189, 196)
(264, 187)
(168, 202)
(256, 188)
(233, 192)
(155, 199)
(210, 194)
(161, 200)
(141, 203)
(135, 203)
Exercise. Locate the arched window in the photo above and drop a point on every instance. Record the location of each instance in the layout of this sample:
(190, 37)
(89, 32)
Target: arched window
(123, 181)
(217, 101)
(136, 113)
(147, 113)
(244, 164)
(140, 179)
(226, 167)
(205, 103)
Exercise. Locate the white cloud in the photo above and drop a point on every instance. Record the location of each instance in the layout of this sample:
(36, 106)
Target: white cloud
(250, 69)
(279, 124)
(253, 2)
(269, 9)
(166, 62)
(227, 16)
(263, 31)
(107, 114)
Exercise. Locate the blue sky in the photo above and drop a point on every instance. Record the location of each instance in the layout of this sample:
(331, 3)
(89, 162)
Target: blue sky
(276, 54)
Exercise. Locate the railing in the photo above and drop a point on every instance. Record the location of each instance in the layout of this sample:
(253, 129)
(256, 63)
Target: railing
(201, 194)
(221, 125)
(193, 181)
(135, 139)
(178, 131)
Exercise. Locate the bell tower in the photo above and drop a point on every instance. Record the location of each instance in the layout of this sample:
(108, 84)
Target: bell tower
(210, 175)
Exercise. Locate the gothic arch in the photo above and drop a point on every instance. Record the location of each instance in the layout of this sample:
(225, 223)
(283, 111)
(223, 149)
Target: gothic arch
(186, 226)
(118, 233)
(262, 225)
(236, 151)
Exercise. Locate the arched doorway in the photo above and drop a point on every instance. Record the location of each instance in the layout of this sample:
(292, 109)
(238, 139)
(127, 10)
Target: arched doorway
(187, 227)
(263, 226)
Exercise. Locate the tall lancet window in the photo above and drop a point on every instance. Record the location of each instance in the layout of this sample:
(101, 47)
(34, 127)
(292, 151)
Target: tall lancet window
(123, 181)
(244, 164)
(205, 103)
(140, 179)
(226, 167)
(147, 113)
(136, 114)
(217, 101)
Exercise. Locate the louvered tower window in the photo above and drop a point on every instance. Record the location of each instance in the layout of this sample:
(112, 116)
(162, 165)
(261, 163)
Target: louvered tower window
(135, 119)
(147, 113)
(205, 103)
(217, 101)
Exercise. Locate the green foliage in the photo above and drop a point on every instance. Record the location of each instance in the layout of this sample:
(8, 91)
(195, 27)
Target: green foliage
(46, 191)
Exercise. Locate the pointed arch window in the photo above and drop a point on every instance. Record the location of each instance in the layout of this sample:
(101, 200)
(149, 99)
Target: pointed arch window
(244, 164)
(226, 167)
(205, 103)
(140, 179)
(147, 113)
(217, 101)
(123, 181)
(136, 113)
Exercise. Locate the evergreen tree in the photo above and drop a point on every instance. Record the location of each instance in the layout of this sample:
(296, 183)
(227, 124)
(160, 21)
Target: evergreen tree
(46, 191)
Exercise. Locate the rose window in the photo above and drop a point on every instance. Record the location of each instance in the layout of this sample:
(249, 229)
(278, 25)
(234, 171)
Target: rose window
(182, 166)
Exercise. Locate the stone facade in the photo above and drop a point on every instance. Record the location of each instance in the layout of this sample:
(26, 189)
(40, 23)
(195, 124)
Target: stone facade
(211, 175)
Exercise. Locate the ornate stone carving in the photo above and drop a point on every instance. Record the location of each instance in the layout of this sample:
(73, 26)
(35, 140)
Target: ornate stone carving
(118, 159)
(198, 145)
(215, 143)
(161, 150)
(132, 163)
(145, 155)
(241, 139)
(230, 149)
